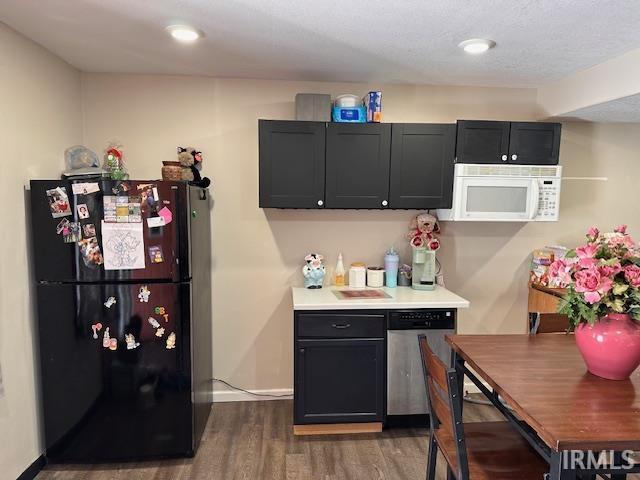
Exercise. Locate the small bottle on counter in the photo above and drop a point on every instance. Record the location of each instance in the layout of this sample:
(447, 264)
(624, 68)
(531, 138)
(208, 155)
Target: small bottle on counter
(339, 272)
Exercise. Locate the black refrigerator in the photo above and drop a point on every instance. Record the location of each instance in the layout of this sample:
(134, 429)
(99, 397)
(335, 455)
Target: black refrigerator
(124, 341)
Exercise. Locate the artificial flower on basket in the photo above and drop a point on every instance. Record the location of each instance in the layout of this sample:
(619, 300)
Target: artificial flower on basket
(602, 301)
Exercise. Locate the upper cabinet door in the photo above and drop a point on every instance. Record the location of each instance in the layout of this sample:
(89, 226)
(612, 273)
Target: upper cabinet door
(481, 141)
(534, 143)
(358, 165)
(291, 164)
(422, 158)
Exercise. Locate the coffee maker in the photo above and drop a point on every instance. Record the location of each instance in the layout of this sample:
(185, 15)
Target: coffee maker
(424, 269)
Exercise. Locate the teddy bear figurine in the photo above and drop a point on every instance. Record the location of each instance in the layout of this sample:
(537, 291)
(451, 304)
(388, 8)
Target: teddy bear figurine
(422, 232)
(313, 271)
(191, 162)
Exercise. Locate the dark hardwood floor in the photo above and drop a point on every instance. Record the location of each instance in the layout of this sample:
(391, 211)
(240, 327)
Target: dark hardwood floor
(254, 441)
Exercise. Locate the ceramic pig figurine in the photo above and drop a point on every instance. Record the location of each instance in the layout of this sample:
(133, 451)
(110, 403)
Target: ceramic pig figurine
(313, 271)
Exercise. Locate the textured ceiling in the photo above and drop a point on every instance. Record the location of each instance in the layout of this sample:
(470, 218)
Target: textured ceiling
(404, 41)
(625, 109)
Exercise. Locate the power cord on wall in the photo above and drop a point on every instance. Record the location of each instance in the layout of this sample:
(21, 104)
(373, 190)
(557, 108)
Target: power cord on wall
(233, 387)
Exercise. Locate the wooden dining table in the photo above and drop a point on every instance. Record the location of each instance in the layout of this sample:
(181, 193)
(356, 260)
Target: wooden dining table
(541, 385)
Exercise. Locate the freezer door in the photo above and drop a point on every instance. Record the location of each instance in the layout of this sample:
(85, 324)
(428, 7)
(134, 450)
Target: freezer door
(121, 401)
(57, 261)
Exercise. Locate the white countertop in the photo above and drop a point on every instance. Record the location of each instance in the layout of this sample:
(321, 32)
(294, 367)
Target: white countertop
(401, 297)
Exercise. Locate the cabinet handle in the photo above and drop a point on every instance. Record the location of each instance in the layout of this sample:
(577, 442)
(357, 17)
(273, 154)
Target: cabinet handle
(384, 203)
(320, 203)
(341, 325)
(514, 157)
(504, 158)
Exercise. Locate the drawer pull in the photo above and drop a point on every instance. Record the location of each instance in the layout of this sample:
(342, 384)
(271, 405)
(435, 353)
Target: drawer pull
(340, 325)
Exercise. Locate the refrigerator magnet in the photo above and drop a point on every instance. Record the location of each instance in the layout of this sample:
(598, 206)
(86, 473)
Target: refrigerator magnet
(121, 187)
(131, 341)
(143, 296)
(135, 210)
(109, 208)
(159, 310)
(155, 254)
(59, 202)
(166, 214)
(89, 230)
(83, 211)
(85, 188)
(153, 322)
(72, 233)
(90, 251)
(63, 227)
(155, 222)
(113, 344)
(106, 339)
(96, 327)
(122, 209)
(160, 332)
(110, 302)
(171, 341)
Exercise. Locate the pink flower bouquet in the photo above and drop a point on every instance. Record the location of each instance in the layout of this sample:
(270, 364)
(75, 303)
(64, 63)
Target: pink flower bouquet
(602, 277)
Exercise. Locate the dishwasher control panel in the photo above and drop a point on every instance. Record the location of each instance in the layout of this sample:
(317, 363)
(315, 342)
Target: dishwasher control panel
(422, 319)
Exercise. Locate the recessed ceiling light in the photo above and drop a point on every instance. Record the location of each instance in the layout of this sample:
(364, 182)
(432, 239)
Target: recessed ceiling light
(477, 45)
(184, 33)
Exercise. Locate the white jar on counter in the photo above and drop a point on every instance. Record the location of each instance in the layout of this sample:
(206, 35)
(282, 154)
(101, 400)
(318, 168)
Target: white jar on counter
(357, 275)
(375, 276)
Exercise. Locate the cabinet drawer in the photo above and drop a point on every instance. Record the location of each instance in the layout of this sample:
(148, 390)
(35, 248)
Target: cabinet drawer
(341, 325)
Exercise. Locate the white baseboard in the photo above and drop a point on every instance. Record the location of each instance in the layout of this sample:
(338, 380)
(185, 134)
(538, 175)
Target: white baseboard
(221, 395)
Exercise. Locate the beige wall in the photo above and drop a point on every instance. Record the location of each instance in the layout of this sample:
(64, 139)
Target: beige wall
(258, 253)
(39, 118)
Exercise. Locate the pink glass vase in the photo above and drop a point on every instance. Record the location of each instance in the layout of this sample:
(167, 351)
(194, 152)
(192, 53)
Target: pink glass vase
(611, 346)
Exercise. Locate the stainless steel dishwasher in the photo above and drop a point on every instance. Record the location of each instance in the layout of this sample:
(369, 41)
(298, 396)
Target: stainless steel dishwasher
(406, 393)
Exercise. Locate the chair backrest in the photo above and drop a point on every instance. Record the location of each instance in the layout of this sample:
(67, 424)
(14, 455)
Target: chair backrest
(445, 407)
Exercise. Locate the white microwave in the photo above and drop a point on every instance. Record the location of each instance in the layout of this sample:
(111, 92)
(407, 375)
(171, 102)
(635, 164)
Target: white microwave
(505, 193)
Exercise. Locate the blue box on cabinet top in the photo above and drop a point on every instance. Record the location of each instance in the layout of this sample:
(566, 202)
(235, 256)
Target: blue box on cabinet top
(350, 114)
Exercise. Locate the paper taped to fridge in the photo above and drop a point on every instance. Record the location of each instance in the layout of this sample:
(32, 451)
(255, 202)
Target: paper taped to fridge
(123, 246)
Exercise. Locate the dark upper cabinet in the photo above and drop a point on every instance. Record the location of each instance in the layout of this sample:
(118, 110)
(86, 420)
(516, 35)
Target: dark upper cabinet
(520, 143)
(422, 162)
(533, 143)
(357, 165)
(482, 141)
(339, 381)
(291, 164)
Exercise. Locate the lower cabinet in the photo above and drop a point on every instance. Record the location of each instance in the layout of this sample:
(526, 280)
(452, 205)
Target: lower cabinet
(339, 381)
(339, 368)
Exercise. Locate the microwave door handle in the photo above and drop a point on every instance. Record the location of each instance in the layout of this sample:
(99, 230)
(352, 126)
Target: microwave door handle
(535, 204)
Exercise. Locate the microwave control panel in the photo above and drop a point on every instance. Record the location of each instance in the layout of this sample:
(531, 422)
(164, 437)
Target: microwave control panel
(549, 198)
